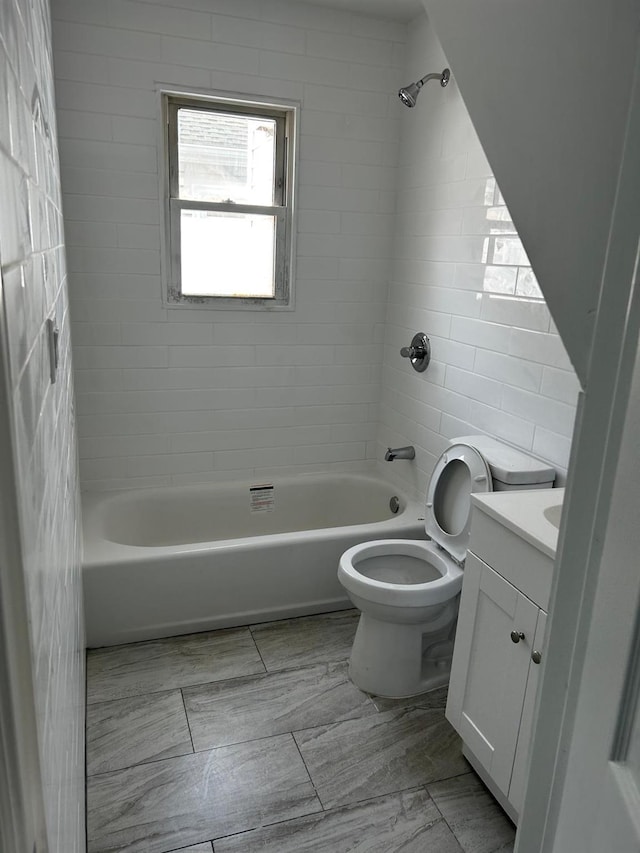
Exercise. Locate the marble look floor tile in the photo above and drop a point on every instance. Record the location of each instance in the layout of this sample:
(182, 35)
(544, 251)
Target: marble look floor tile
(433, 699)
(307, 640)
(138, 668)
(475, 818)
(206, 847)
(407, 822)
(136, 730)
(262, 705)
(154, 808)
(391, 751)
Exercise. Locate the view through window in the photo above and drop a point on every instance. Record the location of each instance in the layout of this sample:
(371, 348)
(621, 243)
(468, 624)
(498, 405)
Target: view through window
(229, 202)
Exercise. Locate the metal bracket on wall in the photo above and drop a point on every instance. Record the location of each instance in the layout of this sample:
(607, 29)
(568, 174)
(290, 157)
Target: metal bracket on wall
(419, 353)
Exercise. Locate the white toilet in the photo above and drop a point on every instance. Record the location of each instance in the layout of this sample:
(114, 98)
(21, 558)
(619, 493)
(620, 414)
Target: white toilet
(408, 589)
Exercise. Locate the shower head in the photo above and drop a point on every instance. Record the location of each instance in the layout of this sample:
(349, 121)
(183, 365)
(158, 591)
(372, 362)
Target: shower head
(409, 94)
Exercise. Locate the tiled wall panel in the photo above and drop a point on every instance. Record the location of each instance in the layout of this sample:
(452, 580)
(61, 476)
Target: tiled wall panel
(174, 395)
(32, 263)
(461, 275)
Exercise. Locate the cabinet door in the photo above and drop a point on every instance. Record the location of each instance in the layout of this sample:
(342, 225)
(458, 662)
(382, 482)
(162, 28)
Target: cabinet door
(489, 671)
(518, 777)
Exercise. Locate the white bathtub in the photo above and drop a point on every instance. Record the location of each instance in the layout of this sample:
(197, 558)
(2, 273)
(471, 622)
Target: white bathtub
(160, 562)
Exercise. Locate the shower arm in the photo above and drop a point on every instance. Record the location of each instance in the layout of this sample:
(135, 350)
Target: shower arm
(428, 77)
(443, 77)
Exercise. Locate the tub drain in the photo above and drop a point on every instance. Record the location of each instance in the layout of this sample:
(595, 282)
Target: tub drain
(394, 504)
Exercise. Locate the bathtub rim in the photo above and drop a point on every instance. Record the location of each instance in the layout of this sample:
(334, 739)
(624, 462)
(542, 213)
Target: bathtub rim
(99, 551)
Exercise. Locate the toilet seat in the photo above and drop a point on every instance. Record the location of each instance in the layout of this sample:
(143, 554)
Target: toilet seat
(459, 472)
(445, 584)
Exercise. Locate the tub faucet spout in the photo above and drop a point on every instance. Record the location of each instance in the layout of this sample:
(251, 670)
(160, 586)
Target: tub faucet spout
(400, 453)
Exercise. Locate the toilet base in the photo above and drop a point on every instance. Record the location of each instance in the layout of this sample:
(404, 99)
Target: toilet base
(400, 660)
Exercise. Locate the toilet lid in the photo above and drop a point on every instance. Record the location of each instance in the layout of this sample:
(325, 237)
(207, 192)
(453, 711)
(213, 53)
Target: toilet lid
(460, 472)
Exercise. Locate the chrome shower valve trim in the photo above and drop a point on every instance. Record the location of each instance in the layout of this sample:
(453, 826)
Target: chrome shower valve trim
(419, 353)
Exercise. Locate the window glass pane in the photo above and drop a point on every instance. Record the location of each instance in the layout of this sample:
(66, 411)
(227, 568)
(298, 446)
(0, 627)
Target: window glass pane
(227, 254)
(226, 157)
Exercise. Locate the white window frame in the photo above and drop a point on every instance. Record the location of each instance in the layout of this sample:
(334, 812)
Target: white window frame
(285, 115)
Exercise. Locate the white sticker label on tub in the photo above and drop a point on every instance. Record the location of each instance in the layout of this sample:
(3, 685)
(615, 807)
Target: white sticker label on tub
(262, 498)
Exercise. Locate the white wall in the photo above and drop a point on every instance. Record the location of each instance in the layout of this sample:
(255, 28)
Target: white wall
(181, 395)
(174, 395)
(538, 82)
(33, 288)
(498, 367)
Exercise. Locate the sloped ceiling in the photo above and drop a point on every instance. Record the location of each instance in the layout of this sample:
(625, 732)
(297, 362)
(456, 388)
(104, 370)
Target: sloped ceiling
(547, 86)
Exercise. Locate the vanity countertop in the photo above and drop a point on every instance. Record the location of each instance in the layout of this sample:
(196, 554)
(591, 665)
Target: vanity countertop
(523, 512)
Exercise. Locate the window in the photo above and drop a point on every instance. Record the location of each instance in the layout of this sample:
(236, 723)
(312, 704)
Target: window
(229, 202)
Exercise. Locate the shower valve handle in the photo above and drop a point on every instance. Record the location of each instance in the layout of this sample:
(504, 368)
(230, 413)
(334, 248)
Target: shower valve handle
(419, 353)
(412, 352)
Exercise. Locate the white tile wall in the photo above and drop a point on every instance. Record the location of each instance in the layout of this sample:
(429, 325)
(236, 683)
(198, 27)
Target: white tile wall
(34, 288)
(217, 394)
(460, 275)
(168, 395)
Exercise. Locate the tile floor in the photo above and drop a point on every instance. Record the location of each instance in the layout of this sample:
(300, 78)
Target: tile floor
(254, 739)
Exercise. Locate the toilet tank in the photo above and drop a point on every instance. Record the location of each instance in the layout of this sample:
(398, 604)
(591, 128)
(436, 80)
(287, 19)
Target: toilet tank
(510, 467)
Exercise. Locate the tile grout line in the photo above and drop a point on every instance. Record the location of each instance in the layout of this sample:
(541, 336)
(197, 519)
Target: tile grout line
(452, 831)
(170, 689)
(135, 696)
(308, 772)
(192, 754)
(442, 817)
(148, 763)
(463, 848)
(255, 643)
(161, 641)
(330, 811)
(186, 714)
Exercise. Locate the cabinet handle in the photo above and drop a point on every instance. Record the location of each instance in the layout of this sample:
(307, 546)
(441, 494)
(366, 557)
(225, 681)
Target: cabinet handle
(536, 656)
(516, 636)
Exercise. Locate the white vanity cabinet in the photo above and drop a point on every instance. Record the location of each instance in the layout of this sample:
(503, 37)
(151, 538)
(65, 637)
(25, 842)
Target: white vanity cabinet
(498, 649)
